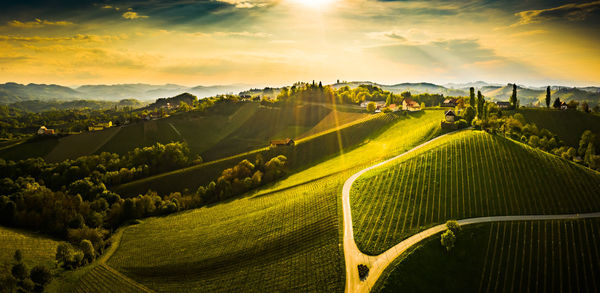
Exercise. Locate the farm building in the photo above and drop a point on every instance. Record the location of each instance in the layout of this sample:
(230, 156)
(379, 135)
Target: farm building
(393, 107)
(451, 116)
(410, 105)
(100, 126)
(378, 104)
(503, 105)
(450, 103)
(282, 142)
(45, 131)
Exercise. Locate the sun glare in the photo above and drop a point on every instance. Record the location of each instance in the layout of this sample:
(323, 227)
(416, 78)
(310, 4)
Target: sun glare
(316, 4)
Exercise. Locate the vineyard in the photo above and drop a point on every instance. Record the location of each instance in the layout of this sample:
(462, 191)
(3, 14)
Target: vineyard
(287, 233)
(289, 238)
(36, 248)
(307, 152)
(464, 175)
(528, 256)
(104, 279)
(568, 125)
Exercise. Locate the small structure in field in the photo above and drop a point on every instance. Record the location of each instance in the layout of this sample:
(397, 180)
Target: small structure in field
(282, 142)
(451, 116)
(45, 131)
(503, 105)
(410, 105)
(450, 103)
(100, 126)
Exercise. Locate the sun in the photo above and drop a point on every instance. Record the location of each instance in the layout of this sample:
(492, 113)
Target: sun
(316, 4)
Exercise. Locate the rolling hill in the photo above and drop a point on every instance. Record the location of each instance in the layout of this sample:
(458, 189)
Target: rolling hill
(569, 125)
(527, 256)
(287, 233)
(466, 174)
(36, 249)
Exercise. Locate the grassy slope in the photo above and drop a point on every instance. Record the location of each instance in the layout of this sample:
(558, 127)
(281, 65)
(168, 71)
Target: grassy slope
(568, 125)
(74, 146)
(334, 119)
(37, 249)
(26, 150)
(287, 233)
(467, 174)
(307, 151)
(538, 256)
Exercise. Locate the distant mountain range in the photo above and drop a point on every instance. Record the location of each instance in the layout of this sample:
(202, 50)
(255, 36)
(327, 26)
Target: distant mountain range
(14, 92)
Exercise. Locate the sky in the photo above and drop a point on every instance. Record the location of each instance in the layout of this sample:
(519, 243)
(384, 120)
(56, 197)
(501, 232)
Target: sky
(278, 42)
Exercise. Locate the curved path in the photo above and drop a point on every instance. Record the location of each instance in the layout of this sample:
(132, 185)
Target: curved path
(377, 264)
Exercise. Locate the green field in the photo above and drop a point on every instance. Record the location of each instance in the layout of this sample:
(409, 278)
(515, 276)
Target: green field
(569, 125)
(29, 149)
(464, 175)
(287, 233)
(527, 256)
(104, 279)
(37, 249)
(280, 241)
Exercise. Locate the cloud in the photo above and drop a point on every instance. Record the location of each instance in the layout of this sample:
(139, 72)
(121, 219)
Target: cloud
(38, 23)
(529, 33)
(133, 15)
(244, 3)
(231, 34)
(77, 37)
(571, 11)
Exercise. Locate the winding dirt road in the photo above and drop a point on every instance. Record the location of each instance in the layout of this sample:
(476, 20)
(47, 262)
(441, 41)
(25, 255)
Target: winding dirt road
(377, 264)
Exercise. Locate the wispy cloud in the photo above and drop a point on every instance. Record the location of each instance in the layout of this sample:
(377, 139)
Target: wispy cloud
(529, 33)
(231, 34)
(571, 11)
(38, 23)
(78, 37)
(133, 15)
(244, 3)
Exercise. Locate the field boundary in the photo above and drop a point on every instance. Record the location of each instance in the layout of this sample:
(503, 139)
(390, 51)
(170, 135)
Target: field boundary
(378, 264)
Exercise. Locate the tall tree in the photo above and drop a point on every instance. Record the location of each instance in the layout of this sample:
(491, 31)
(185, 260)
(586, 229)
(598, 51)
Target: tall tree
(513, 98)
(472, 97)
(480, 104)
(548, 97)
(557, 103)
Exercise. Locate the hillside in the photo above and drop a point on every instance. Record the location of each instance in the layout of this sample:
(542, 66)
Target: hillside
(568, 125)
(527, 256)
(13, 92)
(464, 175)
(287, 232)
(36, 249)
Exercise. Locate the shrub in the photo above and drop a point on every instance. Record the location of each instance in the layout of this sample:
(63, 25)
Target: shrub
(363, 271)
(462, 123)
(454, 226)
(448, 239)
(41, 275)
(19, 271)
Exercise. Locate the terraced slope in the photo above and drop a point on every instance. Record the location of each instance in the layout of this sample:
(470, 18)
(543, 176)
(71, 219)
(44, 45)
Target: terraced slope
(105, 279)
(464, 175)
(528, 256)
(37, 249)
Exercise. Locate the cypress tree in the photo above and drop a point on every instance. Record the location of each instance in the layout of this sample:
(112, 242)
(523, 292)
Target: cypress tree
(472, 97)
(548, 97)
(480, 104)
(513, 98)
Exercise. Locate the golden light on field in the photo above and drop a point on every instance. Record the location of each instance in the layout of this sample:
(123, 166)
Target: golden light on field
(314, 4)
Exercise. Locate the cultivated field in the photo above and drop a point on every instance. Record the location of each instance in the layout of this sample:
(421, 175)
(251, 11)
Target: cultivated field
(280, 241)
(528, 256)
(37, 249)
(464, 175)
(568, 125)
(287, 233)
(105, 279)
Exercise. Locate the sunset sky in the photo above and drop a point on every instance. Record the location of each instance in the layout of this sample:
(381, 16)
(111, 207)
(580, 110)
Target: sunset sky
(262, 42)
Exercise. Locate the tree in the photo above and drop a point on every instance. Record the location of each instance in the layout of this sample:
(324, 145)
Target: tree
(585, 107)
(448, 239)
(513, 98)
(63, 251)
(480, 105)
(18, 256)
(472, 97)
(454, 226)
(371, 107)
(557, 103)
(88, 250)
(548, 97)
(19, 271)
(41, 275)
